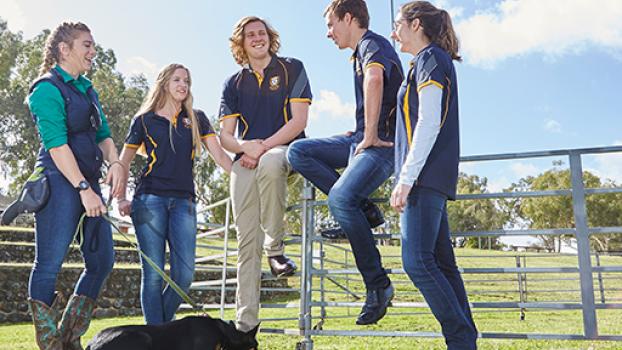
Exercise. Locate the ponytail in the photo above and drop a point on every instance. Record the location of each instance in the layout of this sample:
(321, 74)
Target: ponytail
(447, 38)
(66, 33)
(436, 25)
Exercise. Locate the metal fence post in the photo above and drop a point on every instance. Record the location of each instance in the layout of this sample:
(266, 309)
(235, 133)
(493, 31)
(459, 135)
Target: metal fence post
(223, 289)
(307, 213)
(520, 287)
(590, 327)
(601, 284)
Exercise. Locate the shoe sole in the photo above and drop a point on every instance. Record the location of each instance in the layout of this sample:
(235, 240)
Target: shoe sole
(283, 274)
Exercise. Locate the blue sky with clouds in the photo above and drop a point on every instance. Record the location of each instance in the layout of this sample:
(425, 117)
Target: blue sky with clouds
(537, 74)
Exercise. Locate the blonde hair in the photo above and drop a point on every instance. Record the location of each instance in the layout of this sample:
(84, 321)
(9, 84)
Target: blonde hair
(236, 41)
(157, 98)
(66, 33)
(436, 25)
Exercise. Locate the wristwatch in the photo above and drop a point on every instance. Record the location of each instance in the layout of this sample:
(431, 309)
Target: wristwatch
(83, 185)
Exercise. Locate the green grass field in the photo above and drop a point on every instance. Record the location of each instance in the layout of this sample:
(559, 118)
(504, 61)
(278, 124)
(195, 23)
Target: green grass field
(481, 287)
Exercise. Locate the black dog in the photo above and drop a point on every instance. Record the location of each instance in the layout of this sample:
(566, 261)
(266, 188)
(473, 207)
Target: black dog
(190, 333)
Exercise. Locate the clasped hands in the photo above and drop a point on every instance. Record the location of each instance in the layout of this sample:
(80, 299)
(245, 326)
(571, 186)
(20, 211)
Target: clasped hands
(252, 151)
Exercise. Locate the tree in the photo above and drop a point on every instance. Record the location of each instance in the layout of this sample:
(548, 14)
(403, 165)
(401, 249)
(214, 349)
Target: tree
(557, 211)
(476, 214)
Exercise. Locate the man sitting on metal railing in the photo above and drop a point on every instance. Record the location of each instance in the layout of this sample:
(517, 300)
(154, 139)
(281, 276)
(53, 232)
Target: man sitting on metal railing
(268, 101)
(366, 154)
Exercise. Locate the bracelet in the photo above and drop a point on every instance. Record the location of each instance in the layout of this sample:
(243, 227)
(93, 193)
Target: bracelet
(117, 162)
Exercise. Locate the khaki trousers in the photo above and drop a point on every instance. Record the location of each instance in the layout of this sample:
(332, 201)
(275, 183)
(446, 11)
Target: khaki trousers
(259, 202)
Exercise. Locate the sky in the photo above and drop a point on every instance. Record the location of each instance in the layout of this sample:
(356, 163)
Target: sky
(537, 74)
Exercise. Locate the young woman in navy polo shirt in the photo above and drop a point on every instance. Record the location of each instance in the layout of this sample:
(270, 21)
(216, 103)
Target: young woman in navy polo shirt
(163, 209)
(426, 158)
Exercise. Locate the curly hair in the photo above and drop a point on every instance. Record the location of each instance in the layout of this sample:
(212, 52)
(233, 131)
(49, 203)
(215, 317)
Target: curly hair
(236, 41)
(66, 33)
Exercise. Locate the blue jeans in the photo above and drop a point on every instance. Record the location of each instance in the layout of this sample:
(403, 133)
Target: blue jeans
(158, 220)
(317, 160)
(55, 225)
(429, 261)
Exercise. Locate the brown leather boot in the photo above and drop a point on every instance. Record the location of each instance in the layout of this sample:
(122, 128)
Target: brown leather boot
(45, 319)
(76, 320)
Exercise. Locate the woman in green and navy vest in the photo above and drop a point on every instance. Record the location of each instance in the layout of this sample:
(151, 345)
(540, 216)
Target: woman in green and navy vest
(163, 210)
(75, 140)
(427, 149)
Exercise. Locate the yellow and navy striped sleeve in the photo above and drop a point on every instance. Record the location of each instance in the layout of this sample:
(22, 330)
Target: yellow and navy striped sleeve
(429, 72)
(373, 55)
(136, 135)
(229, 101)
(205, 127)
(300, 89)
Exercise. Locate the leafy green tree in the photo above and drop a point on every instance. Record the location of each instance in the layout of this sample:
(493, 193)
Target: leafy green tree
(557, 211)
(476, 214)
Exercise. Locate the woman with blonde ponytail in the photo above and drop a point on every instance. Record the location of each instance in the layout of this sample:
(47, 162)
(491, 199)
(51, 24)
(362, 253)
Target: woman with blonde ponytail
(427, 151)
(75, 140)
(163, 210)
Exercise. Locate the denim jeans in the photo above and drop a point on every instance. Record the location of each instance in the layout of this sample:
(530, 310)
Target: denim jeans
(159, 220)
(317, 160)
(55, 225)
(429, 261)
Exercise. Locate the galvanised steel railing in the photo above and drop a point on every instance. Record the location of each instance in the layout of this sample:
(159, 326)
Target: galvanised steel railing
(319, 268)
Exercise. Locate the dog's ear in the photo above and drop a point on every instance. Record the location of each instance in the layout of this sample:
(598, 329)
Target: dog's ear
(253, 332)
(224, 327)
(238, 340)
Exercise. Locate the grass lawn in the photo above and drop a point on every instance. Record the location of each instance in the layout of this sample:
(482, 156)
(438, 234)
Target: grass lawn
(541, 287)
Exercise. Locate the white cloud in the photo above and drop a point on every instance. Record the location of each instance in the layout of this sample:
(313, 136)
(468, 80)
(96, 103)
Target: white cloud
(330, 105)
(454, 11)
(498, 184)
(468, 167)
(549, 27)
(553, 126)
(609, 165)
(12, 13)
(140, 65)
(521, 170)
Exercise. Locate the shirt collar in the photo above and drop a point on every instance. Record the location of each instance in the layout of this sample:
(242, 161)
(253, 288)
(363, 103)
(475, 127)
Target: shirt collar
(272, 64)
(366, 35)
(68, 78)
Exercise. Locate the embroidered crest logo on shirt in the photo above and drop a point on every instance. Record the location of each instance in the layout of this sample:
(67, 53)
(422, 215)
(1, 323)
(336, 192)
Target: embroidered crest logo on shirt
(187, 123)
(274, 82)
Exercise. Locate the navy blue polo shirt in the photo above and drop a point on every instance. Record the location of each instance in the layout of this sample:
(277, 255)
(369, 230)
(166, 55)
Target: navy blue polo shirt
(262, 104)
(432, 65)
(375, 50)
(170, 153)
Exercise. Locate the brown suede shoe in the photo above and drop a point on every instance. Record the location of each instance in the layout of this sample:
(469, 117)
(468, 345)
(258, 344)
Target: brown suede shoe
(281, 266)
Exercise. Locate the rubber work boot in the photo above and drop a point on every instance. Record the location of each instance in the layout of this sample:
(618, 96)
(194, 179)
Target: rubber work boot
(45, 319)
(76, 320)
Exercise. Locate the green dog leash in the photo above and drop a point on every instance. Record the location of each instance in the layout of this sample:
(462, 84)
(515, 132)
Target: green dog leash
(79, 237)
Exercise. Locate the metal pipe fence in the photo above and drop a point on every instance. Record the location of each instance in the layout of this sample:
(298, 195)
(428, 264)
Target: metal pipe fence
(329, 284)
